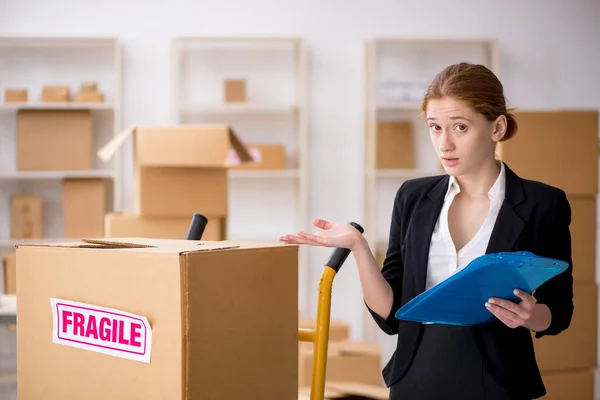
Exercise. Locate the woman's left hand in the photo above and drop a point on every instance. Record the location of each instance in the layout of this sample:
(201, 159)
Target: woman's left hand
(528, 313)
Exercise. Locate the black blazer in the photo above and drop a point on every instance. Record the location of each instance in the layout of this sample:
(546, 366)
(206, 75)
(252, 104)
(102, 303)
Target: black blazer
(533, 217)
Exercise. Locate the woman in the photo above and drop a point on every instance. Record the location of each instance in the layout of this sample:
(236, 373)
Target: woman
(441, 223)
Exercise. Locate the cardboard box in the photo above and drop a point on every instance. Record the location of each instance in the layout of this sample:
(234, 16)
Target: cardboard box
(58, 93)
(235, 91)
(9, 269)
(15, 96)
(265, 157)
(347, 361)
(583, 237)
(180, 170)
(348, 390)
(89, 97)
(559, 148)
(26, 217)
(184, 313)
(577, 346)
(575, 384)
(338, 330)
(84, 204)
(54, 140)
(395, 148)
(88, 87)
(119, 224)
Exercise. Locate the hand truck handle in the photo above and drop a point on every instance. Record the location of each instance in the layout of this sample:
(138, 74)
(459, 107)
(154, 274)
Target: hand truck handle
(339, 255)
(197, 226)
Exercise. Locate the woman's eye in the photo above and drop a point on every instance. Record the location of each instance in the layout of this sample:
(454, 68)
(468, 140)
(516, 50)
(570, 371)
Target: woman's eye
(435, 127)
(461, 128)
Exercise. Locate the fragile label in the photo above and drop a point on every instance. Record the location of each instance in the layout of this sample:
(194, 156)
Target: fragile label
(100, 329)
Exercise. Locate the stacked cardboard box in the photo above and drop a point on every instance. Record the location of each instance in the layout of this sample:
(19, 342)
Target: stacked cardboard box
(178, 171)
(560, 148)
(157, 319)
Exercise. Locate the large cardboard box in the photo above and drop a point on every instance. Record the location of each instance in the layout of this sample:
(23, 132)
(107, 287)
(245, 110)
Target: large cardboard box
(180, 170)
(54, 140)
(9, 269)
(349, 391)
(265, 157)
(338, 330)
(84, 204)
(577, 346)
(347, 361)
(557, 147)
(157, 319)
(395, 148)
(583, 237)
(26, 216)
(123, 224)
(574, 384)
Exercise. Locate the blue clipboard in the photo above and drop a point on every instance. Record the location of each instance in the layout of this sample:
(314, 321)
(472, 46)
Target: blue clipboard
(460, 299)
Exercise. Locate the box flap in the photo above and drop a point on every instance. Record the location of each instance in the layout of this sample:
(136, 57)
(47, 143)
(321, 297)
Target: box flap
(180, 146)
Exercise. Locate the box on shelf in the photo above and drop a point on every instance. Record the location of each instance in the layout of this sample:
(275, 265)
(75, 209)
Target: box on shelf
(9, 270)
(572, 384)
(54, 140)
(15, 96)
(338, 330)
(123, 224)
(547, 141)
(265, 157)
(89, 97)
(583, 237)
(395, 149)
(182, 316)
(26, 217)
(180, 170)
(347, 361)
(56, 93)
(577, 346)
(88, 87)
(235, 91)
(85, 201)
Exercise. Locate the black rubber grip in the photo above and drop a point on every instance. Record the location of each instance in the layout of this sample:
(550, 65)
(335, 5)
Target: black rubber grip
(340, 255)
(197, 227)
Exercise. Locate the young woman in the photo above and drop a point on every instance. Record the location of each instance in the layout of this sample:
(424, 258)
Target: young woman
(441, 223)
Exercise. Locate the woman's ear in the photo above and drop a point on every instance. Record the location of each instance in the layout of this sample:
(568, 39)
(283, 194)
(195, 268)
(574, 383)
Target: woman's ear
(499, 127)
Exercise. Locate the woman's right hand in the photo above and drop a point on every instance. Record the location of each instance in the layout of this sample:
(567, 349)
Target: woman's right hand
(329, 235)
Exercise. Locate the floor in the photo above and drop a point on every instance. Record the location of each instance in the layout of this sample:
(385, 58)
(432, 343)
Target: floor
(8, 363)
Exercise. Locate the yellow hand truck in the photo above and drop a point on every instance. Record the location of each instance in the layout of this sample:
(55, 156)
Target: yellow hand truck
(320, 334)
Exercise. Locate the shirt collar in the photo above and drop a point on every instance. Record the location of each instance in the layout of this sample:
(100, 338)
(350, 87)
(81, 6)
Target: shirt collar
(496, 192)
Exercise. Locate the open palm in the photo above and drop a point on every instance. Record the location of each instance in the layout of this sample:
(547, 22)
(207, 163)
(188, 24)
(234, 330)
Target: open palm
(328, 235)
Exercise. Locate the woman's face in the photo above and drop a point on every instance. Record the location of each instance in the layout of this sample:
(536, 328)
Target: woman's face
(463, 139)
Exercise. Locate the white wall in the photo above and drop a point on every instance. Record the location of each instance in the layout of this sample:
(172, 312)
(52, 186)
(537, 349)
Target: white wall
(550, 57)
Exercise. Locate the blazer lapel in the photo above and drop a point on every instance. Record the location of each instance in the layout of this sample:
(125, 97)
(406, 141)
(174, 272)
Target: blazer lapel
(509, 224)
(422, 224)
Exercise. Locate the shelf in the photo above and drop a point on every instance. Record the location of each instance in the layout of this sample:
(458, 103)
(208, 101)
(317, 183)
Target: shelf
(39, 175)
(264, 174)
(400, 106)
(405, 173)
(56, 106)
(242, 108)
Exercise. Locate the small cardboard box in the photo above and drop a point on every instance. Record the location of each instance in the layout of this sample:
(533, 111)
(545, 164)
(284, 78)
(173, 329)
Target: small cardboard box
(9, 269)
(26, 212)
(84, 204)
(157, 319)
(54, 140)
(89, 97)
(265, 157)
(56, 93)
(338, 330)
(347, 361)
(15, 96)
(122, 224)
(572, 384)
(235, 91)
(180, 170)
(395, 147)
(577, 346)
(558, 147)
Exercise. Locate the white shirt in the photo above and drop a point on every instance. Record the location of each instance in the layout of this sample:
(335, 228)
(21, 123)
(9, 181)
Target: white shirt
(443, 258)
